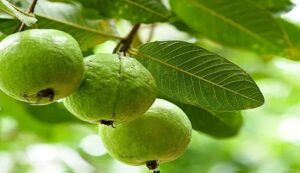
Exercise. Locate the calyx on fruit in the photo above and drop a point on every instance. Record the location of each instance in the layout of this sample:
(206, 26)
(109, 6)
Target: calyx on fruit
(161, 135)
(40, 66)
(115, 89)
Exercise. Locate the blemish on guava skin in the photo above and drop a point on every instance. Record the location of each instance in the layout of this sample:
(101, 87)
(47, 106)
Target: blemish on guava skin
(48, 93)
(152, 165)
(107, 123)
(25, 96)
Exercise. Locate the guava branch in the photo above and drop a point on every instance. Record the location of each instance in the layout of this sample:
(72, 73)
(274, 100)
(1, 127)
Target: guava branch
(125, 43)
(31, 8)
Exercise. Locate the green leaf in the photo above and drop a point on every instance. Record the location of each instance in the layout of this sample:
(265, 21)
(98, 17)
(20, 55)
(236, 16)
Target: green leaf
(218, 125)
(70, 17)
(71, 134)
(275, 5)
(138, 11)
(292, 31)
(234, 23)
(7, 26)
(195, 76)
(54, 113)
(15, 109)
(2, 36)
(8, 8)
(5, 16)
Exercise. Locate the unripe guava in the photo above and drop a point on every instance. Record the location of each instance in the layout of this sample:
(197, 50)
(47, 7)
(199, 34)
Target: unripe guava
(161, 135)
(115, 89)
(40, 66)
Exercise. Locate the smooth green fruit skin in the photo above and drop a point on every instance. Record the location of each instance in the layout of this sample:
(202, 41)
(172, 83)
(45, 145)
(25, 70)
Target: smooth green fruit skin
(115, 88)
(162, 134)
(39, 59)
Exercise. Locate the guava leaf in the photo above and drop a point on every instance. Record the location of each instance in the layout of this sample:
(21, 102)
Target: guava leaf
(218, 125)
(5, 16)
(234, 23)
(137, 11)
(2, 36)
(275, 6)
(7, 26)
(16, 109)
(54, 113)
(195, 76)
(293, 33)
(70, 17)
(27, 19)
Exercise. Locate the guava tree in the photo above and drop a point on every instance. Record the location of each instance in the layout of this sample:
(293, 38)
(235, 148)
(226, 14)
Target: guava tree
(207, 87)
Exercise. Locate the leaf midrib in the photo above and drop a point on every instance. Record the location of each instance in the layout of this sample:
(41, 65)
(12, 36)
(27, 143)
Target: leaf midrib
(200, 78)
(79, 27)
(29, 15)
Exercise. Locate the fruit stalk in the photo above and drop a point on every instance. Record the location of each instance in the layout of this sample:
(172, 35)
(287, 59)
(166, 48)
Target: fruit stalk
(125, 43)
(31, 8)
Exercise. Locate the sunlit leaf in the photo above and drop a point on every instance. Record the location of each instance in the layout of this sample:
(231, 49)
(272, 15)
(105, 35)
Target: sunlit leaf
(275, 5)
(5, 16)
(8, 8)
(140, 11)
(70, 17)
(234, 23)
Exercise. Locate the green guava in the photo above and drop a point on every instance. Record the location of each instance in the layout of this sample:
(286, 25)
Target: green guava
(40, 66)
(115, 89)
(161, 135)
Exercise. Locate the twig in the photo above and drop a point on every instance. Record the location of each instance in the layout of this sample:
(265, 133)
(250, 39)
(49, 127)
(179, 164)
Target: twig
(22, 25)
(125, 43)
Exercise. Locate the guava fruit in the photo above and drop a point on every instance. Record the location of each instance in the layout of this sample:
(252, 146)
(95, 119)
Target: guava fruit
(161, 135)
(40, 66)
(115, 89)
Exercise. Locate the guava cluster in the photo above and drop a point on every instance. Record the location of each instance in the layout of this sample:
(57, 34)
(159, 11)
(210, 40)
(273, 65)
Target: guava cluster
(41, 66)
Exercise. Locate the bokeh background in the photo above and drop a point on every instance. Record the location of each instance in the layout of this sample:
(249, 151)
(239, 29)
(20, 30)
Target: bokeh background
(48, 139)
